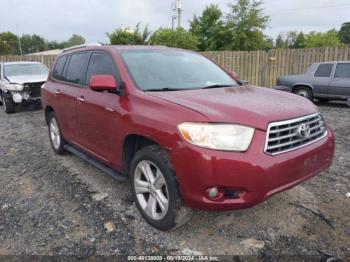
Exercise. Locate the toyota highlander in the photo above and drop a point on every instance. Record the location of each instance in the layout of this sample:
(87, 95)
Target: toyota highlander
(186, 133)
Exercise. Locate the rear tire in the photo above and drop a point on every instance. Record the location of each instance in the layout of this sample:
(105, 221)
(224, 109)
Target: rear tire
(55, 134)
(155, 189)
(304, 92)
(9, 105)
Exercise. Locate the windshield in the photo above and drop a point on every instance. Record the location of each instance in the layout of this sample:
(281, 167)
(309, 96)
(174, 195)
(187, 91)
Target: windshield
(168, 69)
(24, 69)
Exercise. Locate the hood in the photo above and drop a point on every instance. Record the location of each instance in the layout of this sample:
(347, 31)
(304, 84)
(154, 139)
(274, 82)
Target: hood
(248, 105)
(23, 79)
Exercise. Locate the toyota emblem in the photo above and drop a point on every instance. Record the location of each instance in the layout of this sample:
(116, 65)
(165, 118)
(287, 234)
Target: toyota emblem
(303, 131)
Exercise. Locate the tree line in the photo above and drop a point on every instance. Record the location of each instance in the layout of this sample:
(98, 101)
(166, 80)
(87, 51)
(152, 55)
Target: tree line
(240, 29)
(11, 44)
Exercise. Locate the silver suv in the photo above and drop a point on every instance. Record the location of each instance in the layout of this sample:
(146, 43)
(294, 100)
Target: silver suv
(20, 82)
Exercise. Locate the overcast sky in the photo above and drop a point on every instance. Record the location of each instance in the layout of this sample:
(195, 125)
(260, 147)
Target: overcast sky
(59, 19)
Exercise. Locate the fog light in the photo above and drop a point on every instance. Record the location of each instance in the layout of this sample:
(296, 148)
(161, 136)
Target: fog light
(215, 193)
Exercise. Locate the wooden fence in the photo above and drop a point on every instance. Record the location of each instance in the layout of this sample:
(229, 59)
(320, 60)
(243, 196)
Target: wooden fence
(263, 68)
(258, 67)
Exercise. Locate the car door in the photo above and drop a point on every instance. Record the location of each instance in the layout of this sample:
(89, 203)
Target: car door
(322, 79)
(66, 89)
(339, 86)
(99, 112)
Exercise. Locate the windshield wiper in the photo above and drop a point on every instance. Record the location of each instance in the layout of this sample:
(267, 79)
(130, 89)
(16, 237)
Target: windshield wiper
(216, 86)
(163, 89)
(183, 89)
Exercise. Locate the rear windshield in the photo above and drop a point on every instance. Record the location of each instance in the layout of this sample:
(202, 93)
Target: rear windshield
(24, 69)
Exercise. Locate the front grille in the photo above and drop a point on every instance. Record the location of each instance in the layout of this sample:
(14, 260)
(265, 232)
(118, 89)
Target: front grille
(292, 134)
(34, 89)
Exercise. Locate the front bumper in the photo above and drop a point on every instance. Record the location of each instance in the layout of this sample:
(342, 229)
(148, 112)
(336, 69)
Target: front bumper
(256, 174)
(20, 97)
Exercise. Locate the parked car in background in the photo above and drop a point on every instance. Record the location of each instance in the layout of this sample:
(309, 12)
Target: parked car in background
(323, 81)
(20, 82)
(181, 129)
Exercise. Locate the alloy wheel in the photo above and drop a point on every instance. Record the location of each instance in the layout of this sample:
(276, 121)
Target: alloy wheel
(303, 93)
(151, 190)
(55, 133)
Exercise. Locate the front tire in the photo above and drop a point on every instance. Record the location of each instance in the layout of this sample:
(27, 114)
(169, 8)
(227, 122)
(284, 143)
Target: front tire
(155, 189)
(55, 134)
(304, 92)
(9, 105)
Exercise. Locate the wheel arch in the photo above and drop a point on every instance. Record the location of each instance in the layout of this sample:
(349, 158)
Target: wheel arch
(133, 143)
(48, 110)
(308, 86)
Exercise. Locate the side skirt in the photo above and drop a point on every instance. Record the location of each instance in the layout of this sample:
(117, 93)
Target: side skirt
(109, 171)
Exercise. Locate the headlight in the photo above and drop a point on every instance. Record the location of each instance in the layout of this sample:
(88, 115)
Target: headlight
(218, 136)
(14, 87)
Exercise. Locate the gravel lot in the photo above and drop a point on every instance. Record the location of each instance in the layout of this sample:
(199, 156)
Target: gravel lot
(52, 205)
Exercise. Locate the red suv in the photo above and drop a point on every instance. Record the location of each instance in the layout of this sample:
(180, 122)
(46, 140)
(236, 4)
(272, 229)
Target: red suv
(184, 132)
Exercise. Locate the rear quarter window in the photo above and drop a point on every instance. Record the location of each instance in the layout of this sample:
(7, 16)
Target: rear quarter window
(324, 70)
(342, 70)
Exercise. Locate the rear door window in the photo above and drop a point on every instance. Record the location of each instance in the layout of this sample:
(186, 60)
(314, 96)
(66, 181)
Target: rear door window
(101, 64)
(342, 70)
(324, 70)
(76, 68)
(57, 72)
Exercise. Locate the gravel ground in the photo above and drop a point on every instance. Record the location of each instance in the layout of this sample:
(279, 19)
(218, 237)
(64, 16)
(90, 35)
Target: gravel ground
(53, 205)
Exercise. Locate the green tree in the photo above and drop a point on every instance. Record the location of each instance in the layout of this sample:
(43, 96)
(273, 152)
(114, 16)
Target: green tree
(74, 40)
(130, 37)
(55, 45)
(33, 44)
(279, 42)
(210, 29)
(9, 44)
(291, 39)
(300, 41)
(344, 33)
(319, 39)
(246, 22)
(175, 38)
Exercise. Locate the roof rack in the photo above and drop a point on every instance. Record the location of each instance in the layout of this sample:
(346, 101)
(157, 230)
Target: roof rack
(80, 46)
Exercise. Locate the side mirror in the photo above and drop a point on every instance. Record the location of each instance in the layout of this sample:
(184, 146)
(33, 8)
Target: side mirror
(243, 82)
(103, 83)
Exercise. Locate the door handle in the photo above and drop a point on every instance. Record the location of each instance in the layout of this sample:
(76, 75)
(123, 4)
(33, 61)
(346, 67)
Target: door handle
(57, 92)
(80, 99)
(109, 109)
